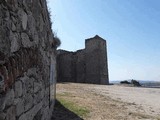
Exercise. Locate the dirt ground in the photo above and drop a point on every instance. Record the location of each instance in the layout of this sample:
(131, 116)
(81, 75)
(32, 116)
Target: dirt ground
(109, 102)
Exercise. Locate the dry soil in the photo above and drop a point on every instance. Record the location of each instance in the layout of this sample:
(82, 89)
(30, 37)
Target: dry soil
(111, 102)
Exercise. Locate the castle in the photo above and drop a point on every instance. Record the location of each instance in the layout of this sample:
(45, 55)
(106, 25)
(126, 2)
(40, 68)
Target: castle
(87, 65)
(28, 63)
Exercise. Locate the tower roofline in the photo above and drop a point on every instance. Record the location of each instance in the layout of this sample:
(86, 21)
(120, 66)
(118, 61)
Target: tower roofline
(95, 37)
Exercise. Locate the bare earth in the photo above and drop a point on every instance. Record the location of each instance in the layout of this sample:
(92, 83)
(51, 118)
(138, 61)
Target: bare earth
(112, 102)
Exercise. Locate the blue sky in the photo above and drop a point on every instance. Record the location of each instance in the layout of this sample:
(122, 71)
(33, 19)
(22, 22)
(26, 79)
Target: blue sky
(131, 28)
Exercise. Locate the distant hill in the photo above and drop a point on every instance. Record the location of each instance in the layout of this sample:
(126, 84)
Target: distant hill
(144, 83)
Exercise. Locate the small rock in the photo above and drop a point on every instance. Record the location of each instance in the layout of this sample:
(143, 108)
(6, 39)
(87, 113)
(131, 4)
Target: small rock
(25, 40)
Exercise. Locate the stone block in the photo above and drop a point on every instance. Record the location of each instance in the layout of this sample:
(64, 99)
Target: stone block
(31, 26)
(36, 100)
(10, 114)
(13, 27)
(28, 102)
(37, 87)
(38, 96)
(27, 84)
(24, 18)
(46, 100)
(32, 72)
(25, 40)
(9, 98)
(18, 89)
(29, 115)
(19, 103)
(14, 42)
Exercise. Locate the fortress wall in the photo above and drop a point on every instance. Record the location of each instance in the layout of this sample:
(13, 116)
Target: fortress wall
(27, 61)
(80, 66)
(66, 68)
(71, 66)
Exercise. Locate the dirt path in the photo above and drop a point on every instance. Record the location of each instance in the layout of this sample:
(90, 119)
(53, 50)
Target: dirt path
(110, 102)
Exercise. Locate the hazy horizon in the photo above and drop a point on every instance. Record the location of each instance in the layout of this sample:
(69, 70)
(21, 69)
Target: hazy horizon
(135, 79)
(130, 27)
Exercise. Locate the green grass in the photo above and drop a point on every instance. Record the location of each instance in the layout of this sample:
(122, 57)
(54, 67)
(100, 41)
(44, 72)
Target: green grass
(78, 110)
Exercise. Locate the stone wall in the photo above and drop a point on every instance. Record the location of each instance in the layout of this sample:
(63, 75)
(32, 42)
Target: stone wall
(80, 66)
(88, 65)
(27, 61)
(67, 62)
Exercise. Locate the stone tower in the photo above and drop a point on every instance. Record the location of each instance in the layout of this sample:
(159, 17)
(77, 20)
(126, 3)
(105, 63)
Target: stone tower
(96, 61)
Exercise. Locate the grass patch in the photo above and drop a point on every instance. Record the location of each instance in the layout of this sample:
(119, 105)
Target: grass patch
(78, 110)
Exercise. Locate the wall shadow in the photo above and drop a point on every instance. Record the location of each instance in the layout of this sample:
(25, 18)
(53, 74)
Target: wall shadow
(62, 113)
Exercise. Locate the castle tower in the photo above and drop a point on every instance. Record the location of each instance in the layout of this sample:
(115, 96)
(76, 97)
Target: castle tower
(96, 61)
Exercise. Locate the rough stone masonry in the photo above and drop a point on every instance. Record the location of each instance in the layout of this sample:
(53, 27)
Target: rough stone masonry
(88, 65)
(27, 61)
